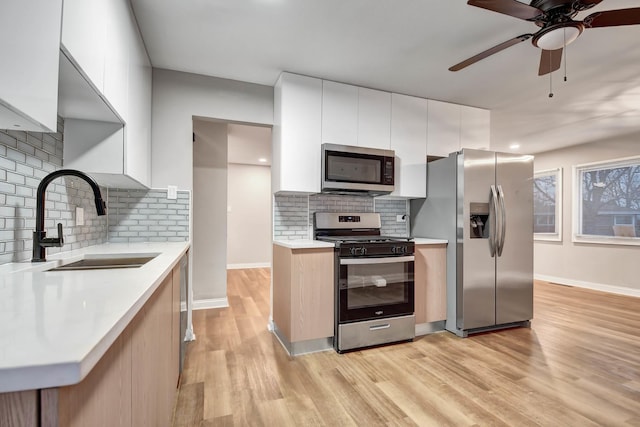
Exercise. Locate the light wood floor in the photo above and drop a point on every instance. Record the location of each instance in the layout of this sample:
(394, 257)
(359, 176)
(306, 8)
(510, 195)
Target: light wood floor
(578, 365)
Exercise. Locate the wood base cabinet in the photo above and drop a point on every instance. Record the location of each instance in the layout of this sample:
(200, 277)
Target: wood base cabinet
(303, 297)
(133, 384)
(430, 283)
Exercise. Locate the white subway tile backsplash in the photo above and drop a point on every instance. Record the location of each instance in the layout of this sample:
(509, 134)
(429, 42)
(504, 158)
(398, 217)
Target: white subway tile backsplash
(27, 157)
(147, 215)
(293, 214)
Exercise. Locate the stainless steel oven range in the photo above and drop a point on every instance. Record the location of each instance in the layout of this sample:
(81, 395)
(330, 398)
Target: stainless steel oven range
(374, 285)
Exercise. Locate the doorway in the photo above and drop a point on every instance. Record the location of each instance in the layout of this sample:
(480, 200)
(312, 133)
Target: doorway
(231, 204)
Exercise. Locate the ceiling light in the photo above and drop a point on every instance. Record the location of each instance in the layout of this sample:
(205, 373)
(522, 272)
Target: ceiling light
(558, 36)
(514, 146)
(262, 160)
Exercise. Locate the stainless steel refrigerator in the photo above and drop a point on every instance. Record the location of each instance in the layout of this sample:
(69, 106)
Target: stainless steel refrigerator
(482, 203)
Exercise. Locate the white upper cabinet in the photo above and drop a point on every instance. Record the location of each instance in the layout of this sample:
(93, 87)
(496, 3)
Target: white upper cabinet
(353, 115)
(374, 118)
(409, 141)
(30, 40)
(115, 64)
(475, 128)
(339, 113)
(453, 127)
(297, 128)
(84, 26)
(137, 128)
(444, 128)
(121, 36)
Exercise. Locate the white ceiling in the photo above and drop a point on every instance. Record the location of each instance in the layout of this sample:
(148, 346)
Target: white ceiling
(407, 47)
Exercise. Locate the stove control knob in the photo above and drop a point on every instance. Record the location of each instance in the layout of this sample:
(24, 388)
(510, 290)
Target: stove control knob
(358, 251)
(399, 250)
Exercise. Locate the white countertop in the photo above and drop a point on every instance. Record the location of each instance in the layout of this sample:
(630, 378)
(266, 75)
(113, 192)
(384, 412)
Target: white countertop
(56, 325)
(303, 244)
(427, 241)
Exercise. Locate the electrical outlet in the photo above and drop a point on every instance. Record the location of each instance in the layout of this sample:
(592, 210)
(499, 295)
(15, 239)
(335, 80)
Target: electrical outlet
(401, 218)
(172, 192)
(79, 215)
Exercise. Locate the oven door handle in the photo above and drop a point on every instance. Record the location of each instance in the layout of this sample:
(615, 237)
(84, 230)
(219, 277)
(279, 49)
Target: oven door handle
(385, 260)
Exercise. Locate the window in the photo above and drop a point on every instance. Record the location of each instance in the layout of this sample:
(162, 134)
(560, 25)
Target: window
(607, 202)
(547, 205)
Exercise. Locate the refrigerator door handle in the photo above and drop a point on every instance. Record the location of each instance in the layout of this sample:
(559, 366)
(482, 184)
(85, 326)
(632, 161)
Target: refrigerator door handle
(503, 221)
(493, 225)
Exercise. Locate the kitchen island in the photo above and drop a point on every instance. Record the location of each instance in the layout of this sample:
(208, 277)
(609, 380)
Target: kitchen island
(66, 336)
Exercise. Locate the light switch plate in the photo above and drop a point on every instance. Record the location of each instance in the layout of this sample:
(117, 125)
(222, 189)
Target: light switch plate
(172, 192)
(79, 215)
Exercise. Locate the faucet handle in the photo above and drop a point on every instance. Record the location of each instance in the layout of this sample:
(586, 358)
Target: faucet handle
(60, 236)
(49, 242)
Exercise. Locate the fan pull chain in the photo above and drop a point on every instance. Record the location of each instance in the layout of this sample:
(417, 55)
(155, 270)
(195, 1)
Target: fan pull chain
(550, 78)
(564, 34)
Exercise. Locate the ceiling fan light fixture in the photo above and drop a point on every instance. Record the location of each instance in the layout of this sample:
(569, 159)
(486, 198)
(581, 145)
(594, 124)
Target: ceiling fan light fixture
(557, 36)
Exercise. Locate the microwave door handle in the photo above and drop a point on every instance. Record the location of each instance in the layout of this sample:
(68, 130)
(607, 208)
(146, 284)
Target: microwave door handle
(386, 260)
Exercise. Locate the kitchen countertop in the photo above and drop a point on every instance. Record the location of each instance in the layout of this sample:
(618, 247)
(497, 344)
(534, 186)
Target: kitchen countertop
(56, 325)
(303, 244)
(427, 241)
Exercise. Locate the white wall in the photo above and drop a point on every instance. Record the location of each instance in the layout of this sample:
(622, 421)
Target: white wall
(248, 216)
(605, 267)
(209, 213)
(177, 98)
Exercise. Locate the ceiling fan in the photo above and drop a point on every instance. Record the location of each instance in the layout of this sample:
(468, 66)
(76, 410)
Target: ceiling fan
(557, 27)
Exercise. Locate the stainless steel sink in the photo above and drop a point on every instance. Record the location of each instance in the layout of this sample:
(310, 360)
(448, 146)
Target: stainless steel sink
(102, 262)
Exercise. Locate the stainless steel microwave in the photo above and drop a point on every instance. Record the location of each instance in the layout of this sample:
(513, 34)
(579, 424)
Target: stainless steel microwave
(352, 170)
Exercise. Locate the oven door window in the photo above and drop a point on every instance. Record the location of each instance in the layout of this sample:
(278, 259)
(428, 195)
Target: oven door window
(376, 287)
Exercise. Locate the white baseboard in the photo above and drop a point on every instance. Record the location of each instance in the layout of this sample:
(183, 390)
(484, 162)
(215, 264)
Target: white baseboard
(620, 290)
(203, 304)
(249, 265)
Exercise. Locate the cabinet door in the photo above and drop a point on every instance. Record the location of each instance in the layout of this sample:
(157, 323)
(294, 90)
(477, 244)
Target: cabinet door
(444, 128)
(312, 294)
(409, 141)
(84, 37)
(374, 118)
(339, 113)
(475, 128)
(296, 134)
(138, 112)
(121, 34)
(30, 40)
(430, 283)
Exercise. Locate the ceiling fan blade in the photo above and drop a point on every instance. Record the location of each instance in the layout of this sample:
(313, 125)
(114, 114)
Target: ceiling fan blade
(549, 61)
(613, 18)
(489, 52)
(508, 7)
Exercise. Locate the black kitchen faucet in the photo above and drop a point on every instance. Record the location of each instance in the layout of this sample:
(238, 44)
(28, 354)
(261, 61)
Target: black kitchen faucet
(40, 241)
